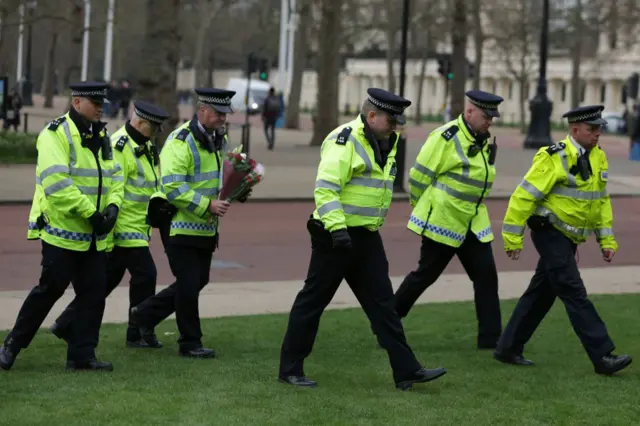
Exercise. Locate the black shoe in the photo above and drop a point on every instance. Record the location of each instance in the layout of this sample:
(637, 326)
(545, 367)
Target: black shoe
(7, 358)
(92, 364)
(198, 353)
(512, 359)
(302, 381)
(59, 332)
(610, 364)
(147, 339)
(421, 376)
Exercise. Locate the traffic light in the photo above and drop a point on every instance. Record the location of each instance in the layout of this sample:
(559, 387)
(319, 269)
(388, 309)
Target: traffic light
(444, 67)
(263, 69)
(471, 70)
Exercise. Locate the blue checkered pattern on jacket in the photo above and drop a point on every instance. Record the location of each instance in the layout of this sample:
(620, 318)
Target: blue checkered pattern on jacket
(436, 229)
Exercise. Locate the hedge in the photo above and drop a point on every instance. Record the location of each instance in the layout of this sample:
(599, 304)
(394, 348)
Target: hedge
(18, 147)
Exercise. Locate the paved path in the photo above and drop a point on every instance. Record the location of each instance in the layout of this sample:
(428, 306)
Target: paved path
(247, 298)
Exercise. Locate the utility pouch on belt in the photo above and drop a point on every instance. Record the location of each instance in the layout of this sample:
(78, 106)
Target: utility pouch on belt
(539, 223)
(315, 227)
(41, 221)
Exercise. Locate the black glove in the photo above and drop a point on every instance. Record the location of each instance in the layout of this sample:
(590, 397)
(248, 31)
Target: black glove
(243, 198)
(341, 239)
(110, 214)
(98, 223)
(160, 212)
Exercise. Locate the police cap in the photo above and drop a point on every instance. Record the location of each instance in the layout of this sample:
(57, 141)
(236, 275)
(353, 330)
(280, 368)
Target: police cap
(590, 114)
(390, 103)
(218, 99)
(488, 102)
(150, 112)
(96, 91)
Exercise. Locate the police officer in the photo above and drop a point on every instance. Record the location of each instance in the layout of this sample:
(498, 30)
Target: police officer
(563, 199)
(192, 159)
(78, 194)
(352, 194)
(138, 157)
(452, 177)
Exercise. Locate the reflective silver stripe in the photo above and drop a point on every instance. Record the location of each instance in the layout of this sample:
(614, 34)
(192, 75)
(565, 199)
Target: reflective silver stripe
(195, 203)
(329, 207)
(72, 148)
(463, 157)
(579, 195)
(364, 211)
(424, 170)
(91, 190)
(368, 182)
(325, 184)
(537, 194)
(207, 192)
(188, 178)
(53, 170)
(604, 232)
(135, 197)
(195, 153)
(82, 172)
(468, 181)
(362, 153)
(58, 186)
(571, 179)
(417, 184)
(513, 229)
(457, 194)
(117, 178)
(570, 229)
(177, 192)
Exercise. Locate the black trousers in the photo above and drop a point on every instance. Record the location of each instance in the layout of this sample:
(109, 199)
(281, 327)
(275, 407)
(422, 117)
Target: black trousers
(191, 267)
(366, 271)
(139, 262)
(479, 264)
(86, 271)
(270, 131)
(556, 275)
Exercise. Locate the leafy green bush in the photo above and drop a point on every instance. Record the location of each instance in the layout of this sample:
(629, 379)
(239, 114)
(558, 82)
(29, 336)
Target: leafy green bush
(18, 147)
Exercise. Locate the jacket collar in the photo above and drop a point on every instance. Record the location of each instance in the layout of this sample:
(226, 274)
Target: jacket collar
(470, 134)
(135, 135)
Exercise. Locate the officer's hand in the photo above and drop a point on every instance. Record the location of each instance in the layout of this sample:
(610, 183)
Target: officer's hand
(341, 239)
(243, 198)
(513, 254)
(98, 223)
(219, 207)
(607, 254)
(110, 216)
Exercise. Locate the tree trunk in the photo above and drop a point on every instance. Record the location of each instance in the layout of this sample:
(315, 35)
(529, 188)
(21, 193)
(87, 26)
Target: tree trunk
(199, 68)
(423, 71)
(48, 77)
(160, 53)
(211, 63)
(391, 49)
(301, 49)
(328, 68)
(479, 42)
(576, 87)
(523, 82)
(458, 57)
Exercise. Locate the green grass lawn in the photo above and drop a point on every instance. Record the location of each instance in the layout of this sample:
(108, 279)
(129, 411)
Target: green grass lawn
(355, 385)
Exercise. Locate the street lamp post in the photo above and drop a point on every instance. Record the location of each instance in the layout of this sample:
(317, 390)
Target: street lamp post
(539, 134)
(27, 85)
(398, 184)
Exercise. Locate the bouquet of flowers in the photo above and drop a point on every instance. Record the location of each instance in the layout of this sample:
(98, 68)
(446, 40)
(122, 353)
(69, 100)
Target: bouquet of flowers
(239, 175)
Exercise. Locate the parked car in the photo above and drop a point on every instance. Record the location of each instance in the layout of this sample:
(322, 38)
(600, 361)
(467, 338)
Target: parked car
(615, 123)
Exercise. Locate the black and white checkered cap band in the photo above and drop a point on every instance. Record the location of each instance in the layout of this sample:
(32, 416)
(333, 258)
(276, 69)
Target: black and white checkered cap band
(385, 106)
(89, 93)
(584, 117)
(214, 100)
(147, 117)
(483, 105)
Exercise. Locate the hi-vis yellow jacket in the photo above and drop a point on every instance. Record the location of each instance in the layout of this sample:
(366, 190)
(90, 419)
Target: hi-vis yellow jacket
(71, 184)
(141, 180)
(553, 188)
(351, 187)
(448, 184)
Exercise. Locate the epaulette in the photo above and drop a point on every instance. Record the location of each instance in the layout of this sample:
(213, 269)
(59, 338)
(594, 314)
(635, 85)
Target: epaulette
(182, 134)
(55, 123)
(122, 142)
(450, 133)
(556, 148)
(343, 136)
